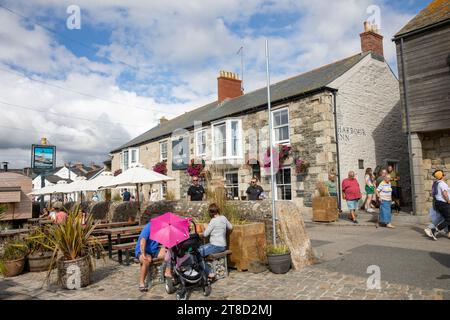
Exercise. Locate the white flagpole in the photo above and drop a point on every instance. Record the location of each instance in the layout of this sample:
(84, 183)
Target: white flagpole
(272, 176)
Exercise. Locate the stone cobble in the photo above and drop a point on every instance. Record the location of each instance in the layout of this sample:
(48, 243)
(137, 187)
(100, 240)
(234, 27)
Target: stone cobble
(112, 281)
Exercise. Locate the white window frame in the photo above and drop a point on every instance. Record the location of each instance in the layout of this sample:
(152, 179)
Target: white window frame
(225, 175)
(288, 140)
(202, 132)
(161, 158)
(276, 185)
(228, 139)
(130, 158)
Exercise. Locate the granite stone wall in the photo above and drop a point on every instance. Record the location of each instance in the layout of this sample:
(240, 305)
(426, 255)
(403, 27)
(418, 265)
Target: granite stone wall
(436, 156)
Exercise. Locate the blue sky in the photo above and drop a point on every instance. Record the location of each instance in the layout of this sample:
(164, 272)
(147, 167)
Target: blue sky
(147, 59)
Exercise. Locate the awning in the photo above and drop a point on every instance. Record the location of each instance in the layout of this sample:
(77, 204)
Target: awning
(9, 194)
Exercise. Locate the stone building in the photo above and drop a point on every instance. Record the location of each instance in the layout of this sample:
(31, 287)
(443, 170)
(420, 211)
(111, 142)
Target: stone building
(342, 116)
(423, 54)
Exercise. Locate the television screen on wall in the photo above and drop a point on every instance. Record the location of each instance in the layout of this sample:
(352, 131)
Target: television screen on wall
(43, 157)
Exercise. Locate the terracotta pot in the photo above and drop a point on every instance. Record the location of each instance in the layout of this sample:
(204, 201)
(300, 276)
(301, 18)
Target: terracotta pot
(40, 261)
(74, 274)
(131, 219)
(14, 267)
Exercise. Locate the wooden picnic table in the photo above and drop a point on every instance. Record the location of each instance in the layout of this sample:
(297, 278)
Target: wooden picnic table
(12, 232)
(106, 225)
(118, 232)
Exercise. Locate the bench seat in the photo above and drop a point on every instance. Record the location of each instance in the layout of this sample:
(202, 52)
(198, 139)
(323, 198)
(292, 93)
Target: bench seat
(218, 262)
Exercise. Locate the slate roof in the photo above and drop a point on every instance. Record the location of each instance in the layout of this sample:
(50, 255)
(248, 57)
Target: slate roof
(307, 82)
(92, 173)
(54, 179)
(437, 11)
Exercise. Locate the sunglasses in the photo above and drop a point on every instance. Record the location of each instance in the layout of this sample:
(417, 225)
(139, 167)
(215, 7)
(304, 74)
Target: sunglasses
(195, 180)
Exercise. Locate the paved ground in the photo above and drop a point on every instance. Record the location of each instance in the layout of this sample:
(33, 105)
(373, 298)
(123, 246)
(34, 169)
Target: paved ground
(411, 267)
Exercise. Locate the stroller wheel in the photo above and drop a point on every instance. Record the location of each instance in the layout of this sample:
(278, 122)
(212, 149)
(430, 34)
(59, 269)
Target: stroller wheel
(170, 286)
(182, 295)
(207, 290)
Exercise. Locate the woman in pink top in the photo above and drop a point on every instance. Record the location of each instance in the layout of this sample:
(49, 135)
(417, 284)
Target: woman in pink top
(60, 216)
(351, 194)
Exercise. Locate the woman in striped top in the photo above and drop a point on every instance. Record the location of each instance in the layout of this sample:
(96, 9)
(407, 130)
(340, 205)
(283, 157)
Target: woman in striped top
(384, 194)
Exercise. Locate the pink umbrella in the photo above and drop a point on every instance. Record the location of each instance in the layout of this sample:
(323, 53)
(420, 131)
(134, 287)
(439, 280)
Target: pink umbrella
(169, 229)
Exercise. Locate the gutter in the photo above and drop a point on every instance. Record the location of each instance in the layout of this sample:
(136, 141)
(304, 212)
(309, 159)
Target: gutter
(408, 127)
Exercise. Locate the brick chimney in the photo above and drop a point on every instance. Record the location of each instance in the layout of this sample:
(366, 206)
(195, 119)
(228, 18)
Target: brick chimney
(228, 86)
(371, 40)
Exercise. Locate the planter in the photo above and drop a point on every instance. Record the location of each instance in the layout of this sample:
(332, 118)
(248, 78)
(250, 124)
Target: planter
(325, 209)
(247, 243)
(279, 263)
(40, 261)
(14, 267)
(74, 274)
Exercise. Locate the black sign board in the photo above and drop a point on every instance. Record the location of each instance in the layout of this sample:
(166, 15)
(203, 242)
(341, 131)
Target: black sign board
(43, 158)
(180, 153)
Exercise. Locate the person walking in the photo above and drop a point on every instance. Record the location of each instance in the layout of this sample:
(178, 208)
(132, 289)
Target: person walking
(254, 191)
(351, 193)
(126, 195)
(441, 202)
(395, 178)
(370, 190)
(384, 194)
(195, 191)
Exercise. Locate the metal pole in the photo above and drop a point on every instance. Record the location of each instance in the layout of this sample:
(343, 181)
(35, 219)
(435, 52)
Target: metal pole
(338, 173)
(272, 176)
(408, 128)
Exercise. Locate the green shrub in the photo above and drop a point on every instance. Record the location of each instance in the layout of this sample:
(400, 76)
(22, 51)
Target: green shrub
(278, 249)
(12, 250)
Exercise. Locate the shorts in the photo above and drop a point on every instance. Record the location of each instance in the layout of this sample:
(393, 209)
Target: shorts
(333, 194)
(352, 204)
(153, 255)
(370, 190)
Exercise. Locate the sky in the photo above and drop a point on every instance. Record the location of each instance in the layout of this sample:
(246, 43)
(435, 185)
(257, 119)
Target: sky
(91, 89)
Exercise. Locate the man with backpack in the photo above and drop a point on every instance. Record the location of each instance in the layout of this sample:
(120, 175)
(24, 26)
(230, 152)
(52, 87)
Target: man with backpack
(441, 203)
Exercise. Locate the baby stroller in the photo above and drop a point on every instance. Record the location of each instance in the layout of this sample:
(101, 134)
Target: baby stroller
(188, 269)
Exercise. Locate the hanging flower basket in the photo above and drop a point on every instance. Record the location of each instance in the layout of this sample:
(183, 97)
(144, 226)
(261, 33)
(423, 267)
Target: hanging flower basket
(301, 166)
(281, 153)
(161, 167)
(195, 169)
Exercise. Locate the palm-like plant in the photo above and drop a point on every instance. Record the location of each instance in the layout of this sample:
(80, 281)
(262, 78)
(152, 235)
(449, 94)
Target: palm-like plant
(70, 240)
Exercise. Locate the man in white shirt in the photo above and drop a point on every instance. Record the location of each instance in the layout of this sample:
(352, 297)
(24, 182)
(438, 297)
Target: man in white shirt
(441, 202)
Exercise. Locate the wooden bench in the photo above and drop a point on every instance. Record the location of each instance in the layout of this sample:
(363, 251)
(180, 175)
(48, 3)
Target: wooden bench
(124, 247)
(218, 263)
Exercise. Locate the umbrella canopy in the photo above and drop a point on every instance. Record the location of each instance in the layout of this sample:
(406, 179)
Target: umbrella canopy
(75, 186)
(43, 191)
(103, 179)
(169, 229)
(137, 175)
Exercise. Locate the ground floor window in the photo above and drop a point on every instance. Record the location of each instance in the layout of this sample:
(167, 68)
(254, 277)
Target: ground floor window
(283, 187)
(232, 185)
(163, 191)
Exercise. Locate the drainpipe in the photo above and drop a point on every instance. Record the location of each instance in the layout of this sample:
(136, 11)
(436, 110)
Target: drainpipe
(338, 173)
(408, 129)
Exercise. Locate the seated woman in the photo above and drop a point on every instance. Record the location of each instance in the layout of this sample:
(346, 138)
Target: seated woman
(216, 231)
(45, 214)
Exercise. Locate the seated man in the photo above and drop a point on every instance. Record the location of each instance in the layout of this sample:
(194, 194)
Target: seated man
(145, 251)
(60, 216)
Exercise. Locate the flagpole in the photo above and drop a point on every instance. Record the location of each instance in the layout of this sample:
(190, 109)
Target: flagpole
(272, 177)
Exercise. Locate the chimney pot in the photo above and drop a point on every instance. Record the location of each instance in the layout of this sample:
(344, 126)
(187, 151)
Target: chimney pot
(371, 40)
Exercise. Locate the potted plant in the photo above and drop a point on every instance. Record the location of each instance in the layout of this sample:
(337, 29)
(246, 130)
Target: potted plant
(39, 256)
(73, 249)
(279, 258)
(12, 258)
(195, 168)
